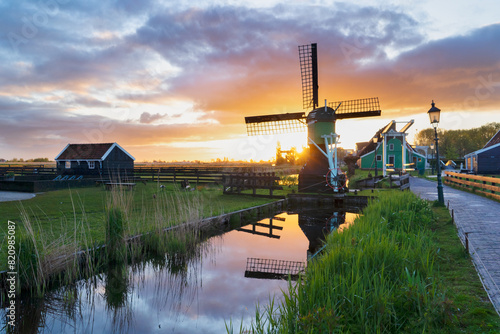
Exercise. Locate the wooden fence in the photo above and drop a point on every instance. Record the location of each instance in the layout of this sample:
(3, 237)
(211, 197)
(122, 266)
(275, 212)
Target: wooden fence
(27, 170)
(142, 173)
(397, 180)
(174, 174)
(400, 181)
(488, 186)
(235, 183)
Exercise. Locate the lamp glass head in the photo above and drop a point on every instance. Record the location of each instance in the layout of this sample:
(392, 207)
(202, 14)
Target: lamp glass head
(434, 114)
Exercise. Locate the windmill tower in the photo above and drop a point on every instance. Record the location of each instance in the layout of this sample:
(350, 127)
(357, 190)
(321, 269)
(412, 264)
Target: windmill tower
(321, 172)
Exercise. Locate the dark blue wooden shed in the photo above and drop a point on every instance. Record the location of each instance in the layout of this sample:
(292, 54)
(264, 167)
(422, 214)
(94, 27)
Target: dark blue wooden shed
(485, 160)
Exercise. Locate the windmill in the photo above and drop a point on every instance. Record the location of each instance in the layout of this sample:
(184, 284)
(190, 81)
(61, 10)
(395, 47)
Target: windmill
(321, 172)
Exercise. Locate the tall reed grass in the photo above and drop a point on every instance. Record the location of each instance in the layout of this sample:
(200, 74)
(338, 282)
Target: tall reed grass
(47, 257)
(377, 276)
(40, 260)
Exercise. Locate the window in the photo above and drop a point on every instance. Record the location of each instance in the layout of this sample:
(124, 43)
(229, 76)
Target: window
(379, 158)
(391, 161)
(391, 147)
(91, 164)
(67, 164)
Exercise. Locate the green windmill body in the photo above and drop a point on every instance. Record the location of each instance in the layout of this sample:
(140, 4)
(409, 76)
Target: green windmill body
(320, 122)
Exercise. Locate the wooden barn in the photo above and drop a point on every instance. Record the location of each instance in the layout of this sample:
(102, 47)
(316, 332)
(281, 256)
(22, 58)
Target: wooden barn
(98, 160)
(485, 160)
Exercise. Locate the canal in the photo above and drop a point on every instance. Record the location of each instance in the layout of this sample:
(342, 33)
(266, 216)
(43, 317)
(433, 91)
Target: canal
(200, 294)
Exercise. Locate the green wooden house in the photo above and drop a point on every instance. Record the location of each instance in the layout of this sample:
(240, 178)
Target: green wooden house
(388, 151)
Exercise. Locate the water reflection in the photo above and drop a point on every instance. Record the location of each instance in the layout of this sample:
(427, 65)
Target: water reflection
(316, 224)
(195, 294)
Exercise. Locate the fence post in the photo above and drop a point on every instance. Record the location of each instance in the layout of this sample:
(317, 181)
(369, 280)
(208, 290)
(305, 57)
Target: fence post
(467, 241)
(253, 182)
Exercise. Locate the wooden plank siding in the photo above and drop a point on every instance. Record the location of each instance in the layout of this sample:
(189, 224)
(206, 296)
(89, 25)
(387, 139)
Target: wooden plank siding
(488, 161)
(489, 186)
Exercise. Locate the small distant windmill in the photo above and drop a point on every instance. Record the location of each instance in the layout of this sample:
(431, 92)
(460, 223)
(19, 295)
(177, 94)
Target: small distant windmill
(321, 172)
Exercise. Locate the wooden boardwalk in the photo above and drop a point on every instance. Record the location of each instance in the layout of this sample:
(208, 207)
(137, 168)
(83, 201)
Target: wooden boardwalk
(479, 217)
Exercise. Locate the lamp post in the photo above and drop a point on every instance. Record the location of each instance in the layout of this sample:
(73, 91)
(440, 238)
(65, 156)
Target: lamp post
(434, 114)
(432, 155)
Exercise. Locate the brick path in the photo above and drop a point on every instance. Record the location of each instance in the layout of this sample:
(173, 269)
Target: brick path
(481, 217)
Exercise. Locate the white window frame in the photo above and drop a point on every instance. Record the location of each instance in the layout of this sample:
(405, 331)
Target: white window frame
(91, 164)
(379, 157)
(391, 147)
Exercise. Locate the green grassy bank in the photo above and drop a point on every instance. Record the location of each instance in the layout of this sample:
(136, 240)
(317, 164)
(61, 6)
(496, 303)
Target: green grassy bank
(72, 219)
(398, 269)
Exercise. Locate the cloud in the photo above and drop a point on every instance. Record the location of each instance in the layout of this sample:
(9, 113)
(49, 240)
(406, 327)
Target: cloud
(30, 129)
(462, 72)
(82, 62)
(239, 60)
(147, 118)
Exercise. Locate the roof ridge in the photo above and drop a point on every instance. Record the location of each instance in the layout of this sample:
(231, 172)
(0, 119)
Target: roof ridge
(493, 139)
(91, 143)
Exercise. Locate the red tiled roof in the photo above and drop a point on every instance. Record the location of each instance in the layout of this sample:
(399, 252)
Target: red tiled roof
(494, 140)
(84, 151)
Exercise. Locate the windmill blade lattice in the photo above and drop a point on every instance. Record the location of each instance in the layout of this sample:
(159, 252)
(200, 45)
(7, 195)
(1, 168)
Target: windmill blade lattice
(275, 124)
(356, 108)
(308, 57)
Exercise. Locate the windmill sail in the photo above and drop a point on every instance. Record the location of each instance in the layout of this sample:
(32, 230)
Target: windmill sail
(356, 108)
(275, 124)
(308, 57)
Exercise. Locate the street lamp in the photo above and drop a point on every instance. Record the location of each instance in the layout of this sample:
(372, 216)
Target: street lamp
(434, 114)
(432, 156)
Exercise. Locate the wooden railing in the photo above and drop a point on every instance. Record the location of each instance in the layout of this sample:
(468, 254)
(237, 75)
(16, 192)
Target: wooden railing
(26, 170)
(235, 183)
(169, 174)
(489, 186)
(192, 175)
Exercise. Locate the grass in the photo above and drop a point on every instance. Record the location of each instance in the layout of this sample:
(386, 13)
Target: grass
(398, 269)
(49, 256)
(471, 309)
(77, 217)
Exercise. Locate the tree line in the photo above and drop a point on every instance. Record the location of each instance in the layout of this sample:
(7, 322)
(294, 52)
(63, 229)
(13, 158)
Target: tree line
(455, 144)
(28, 160)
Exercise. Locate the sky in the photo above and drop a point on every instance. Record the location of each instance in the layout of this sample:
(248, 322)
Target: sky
(174, 80)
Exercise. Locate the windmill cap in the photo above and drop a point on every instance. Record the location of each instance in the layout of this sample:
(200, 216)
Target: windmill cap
(321, 115)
